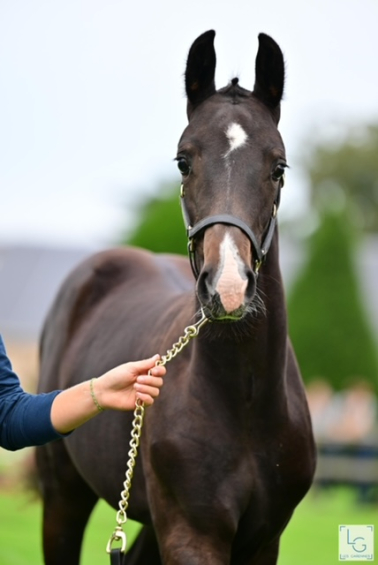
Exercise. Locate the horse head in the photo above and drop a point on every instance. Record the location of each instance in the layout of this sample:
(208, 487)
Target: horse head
(232, 161)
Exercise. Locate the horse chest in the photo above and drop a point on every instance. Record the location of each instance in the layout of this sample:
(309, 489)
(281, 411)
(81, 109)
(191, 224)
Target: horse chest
(221, 462)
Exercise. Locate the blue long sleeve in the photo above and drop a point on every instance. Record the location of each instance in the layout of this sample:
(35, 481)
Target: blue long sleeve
(25, 419)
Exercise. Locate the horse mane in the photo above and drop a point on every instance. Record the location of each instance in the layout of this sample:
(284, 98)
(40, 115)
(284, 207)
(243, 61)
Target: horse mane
(234, 91)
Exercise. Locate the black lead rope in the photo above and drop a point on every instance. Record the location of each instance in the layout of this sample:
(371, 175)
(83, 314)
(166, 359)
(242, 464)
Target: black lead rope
(116, 556)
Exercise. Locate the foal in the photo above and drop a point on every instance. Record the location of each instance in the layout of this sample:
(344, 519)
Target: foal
(227, 451)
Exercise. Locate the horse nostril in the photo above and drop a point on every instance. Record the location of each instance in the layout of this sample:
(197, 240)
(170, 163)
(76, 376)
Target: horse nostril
(204, 287)
(251, 285)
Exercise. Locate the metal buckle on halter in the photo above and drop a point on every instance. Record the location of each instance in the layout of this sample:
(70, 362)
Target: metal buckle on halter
(259, 262)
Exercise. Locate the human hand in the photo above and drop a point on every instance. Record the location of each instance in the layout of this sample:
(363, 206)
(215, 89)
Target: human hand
(119, 388)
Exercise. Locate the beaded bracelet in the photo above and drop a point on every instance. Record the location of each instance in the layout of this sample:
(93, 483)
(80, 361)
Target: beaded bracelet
(96, 402)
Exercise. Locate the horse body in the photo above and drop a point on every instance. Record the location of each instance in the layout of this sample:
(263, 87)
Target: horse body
(227, 450)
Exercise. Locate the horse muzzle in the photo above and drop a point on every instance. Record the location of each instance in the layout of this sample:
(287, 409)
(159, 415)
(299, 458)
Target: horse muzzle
(226, 284)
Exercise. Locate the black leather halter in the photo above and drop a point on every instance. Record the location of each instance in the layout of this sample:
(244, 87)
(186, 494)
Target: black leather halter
(260, 250)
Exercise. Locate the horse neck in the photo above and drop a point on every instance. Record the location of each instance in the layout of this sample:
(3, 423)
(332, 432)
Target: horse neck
(253, 352)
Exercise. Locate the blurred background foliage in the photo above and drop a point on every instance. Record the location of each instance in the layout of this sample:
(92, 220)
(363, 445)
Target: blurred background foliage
(330, 329)
(328, 323)
(348, 171)
(160, 227)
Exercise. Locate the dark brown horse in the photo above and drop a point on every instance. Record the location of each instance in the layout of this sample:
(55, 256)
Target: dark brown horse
(227, 450)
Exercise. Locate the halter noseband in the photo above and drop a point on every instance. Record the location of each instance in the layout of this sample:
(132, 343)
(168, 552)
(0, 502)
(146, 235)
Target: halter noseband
(260, 250)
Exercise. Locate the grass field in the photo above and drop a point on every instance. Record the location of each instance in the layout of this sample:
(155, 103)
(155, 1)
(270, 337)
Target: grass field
(310, 539)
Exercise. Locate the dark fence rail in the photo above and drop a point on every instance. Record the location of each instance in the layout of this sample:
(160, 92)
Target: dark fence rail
(349, 464)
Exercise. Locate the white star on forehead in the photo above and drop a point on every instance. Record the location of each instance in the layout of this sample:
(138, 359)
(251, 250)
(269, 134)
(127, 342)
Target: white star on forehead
(236, 136)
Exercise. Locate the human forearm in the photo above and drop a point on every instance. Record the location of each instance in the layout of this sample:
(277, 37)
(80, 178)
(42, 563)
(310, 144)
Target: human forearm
(117, 389)
(72, 408)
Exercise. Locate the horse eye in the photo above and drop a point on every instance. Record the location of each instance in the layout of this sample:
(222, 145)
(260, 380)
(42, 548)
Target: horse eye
(278, 172)
(183, 166)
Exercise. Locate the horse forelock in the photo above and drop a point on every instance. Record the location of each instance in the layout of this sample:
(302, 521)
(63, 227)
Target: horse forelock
(234, 91)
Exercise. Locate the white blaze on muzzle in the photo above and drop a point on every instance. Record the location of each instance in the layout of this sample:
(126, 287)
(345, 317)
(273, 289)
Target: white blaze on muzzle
(230, 285)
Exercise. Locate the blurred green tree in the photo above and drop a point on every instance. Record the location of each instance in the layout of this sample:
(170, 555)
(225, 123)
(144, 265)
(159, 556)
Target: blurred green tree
(328, 325)
(160, 227)
(348, 170)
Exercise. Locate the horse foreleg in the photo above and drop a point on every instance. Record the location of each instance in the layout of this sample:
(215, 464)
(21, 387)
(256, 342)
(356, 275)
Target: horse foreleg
(268, 556)
(144, 550)
(182, 543)
(67, 505)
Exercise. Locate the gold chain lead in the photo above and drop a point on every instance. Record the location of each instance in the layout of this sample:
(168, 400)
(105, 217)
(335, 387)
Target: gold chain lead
(136, 432)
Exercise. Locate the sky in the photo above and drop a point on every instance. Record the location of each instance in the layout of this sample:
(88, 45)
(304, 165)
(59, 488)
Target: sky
(92, 100)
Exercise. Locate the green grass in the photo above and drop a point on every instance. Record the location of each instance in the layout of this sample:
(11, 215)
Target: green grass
(20, 531)
(310, 539)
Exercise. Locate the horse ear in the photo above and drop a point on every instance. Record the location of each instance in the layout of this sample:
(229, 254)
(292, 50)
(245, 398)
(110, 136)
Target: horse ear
(200, 69)
(270, 72)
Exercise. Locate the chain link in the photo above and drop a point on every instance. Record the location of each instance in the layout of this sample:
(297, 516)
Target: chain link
(136, 432)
